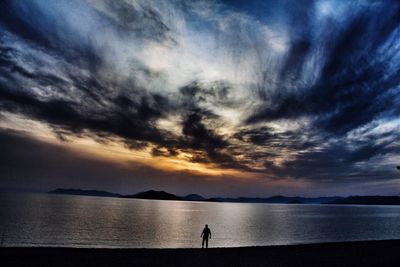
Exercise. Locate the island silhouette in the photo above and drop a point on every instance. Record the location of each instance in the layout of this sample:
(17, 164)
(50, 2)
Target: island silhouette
(163, 195)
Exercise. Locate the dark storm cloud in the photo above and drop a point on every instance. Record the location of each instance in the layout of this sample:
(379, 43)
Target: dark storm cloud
(342, 159)
(356, 84)
(256, 136)
(193, 128)
(132, 121)
(337, 162)
(327, 69)
(94, 108)
(207, 146)
(201, 137)
(265, 136)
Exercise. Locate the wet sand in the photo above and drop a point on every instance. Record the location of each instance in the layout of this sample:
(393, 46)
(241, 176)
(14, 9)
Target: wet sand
(364, 253)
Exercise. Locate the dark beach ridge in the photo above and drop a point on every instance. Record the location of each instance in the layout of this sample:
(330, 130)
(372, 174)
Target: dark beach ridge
(360, 253)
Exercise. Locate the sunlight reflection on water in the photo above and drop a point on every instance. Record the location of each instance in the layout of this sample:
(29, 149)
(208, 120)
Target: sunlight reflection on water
(79, 221)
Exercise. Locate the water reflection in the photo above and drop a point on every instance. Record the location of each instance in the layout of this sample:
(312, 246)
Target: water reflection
(55, 220)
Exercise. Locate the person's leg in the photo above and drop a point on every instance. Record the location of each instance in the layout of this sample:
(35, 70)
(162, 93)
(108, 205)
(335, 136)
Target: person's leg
(206, 242)
(202, 243)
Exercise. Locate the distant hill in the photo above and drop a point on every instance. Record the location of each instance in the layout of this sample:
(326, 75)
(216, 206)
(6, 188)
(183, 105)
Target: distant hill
(368, 200)
(152, 194)
(80, 192)
(162, 195)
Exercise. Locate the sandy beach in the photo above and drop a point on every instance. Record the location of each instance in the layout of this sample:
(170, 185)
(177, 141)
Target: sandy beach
(363, 253)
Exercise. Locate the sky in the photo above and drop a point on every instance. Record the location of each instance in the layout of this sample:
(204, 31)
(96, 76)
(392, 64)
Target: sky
(219, 98)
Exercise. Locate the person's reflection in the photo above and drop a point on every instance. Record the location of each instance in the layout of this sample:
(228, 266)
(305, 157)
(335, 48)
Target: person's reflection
(205, 234)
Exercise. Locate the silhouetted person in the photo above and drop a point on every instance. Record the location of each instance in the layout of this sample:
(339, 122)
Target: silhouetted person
(205, 234)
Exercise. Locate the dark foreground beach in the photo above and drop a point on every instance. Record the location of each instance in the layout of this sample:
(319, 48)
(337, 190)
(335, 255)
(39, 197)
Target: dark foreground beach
(365, 253)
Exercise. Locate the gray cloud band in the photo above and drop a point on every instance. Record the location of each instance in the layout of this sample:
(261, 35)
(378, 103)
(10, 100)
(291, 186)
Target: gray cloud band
(88, 71)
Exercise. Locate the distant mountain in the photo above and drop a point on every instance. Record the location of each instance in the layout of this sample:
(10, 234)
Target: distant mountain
(80, 192)
(194, 197)
(152, 194)
(368, 200)
(162, 195)
(282, 199)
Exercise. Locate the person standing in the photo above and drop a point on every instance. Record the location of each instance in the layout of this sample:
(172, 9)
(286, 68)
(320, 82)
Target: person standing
(205, 234)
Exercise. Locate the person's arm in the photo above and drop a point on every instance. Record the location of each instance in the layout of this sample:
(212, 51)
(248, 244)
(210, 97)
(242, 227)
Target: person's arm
(202, 233)
(210, 234)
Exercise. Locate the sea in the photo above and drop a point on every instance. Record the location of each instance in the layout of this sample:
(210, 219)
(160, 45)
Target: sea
(28, 219)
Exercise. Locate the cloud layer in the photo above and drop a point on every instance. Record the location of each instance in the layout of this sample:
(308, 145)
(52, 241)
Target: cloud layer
(284, 90)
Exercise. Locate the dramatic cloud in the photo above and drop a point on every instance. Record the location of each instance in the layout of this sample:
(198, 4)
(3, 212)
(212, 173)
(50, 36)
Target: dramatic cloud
(302, 90)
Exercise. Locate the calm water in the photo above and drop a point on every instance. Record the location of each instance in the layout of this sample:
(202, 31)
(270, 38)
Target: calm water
(77, 221)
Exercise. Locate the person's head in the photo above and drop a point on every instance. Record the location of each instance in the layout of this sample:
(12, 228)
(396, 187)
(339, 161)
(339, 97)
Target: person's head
(206, 225)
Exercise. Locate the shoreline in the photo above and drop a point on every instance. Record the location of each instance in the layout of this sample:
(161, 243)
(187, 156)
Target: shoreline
(353, 253)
